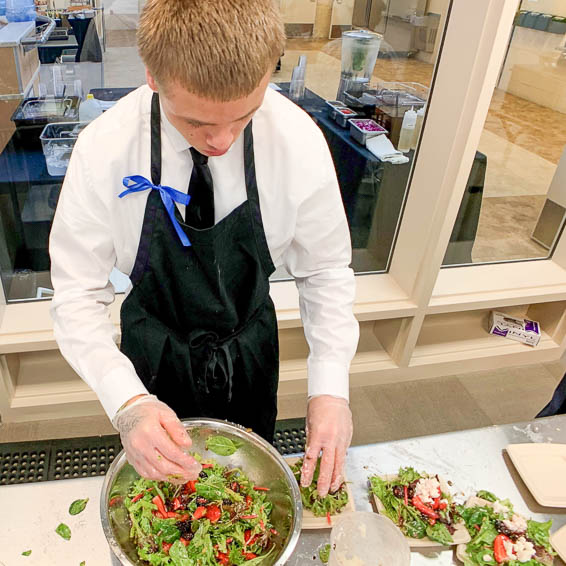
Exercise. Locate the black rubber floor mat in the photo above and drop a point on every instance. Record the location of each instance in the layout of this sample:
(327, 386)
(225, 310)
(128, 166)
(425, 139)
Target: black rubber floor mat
(289, 436)
(26, 462)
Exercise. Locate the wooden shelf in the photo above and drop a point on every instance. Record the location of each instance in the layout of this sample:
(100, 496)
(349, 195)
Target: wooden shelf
(372, 355)
(453, 337)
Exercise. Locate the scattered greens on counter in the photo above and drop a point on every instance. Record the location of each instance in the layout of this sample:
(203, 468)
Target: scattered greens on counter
(324, 553)
(320, 506)
(78, 506)
(26, 553)
(222, 446)
(499, 535)
(220, 518)
(487, 495)
(415, 518)
(63, 531)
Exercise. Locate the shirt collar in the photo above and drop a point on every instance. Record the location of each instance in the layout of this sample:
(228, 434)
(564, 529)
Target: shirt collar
(176, 138)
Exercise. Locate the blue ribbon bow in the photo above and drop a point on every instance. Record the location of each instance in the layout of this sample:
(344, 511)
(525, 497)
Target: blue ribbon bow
(137, 183)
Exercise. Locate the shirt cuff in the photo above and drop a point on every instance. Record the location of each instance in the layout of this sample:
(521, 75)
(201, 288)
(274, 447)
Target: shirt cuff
(117, 387)
(328, 378)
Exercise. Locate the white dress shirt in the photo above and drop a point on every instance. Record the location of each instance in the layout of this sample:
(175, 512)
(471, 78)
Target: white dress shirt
(95, 231)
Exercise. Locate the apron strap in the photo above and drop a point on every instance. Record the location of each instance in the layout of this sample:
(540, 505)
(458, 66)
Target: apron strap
(253, 198)
(155, 139)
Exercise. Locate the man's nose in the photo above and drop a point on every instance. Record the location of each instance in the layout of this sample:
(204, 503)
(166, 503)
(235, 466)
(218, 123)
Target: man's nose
(220, 139)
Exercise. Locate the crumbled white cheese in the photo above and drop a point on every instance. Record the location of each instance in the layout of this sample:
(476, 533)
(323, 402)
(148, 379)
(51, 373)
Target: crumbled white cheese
(487, 558)
(517, 524)
(524, 549)
(509, 550)
(500, 509)
(427, 489)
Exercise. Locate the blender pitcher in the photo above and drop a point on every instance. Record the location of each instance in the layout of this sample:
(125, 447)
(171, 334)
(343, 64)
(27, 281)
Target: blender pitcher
(359, 54)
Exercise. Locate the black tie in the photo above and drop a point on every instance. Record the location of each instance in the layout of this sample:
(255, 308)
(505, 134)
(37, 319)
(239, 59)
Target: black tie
(200, 212)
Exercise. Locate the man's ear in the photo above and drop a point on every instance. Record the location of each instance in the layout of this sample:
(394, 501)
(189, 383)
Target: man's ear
(151, 81)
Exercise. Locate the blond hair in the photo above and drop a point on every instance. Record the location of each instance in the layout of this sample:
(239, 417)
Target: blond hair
(216, 49)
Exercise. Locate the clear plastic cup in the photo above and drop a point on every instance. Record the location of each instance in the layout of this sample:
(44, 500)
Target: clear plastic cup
(367, 539)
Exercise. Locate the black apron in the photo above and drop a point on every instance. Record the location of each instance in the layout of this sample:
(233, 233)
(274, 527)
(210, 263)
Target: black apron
(199, 325)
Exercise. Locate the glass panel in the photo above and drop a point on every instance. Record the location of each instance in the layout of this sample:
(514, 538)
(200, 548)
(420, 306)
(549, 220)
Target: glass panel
(514, 203)
(381, 72)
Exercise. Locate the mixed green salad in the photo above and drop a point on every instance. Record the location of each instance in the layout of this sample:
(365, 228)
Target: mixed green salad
(220, 518)
(327, 506)
(419, 504)
(499, 535)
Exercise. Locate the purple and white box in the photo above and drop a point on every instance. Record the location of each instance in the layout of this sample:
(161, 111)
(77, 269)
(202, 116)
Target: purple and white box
(519, 329)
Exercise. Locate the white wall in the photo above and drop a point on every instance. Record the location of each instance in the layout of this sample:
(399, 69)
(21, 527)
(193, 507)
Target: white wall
(554, 7)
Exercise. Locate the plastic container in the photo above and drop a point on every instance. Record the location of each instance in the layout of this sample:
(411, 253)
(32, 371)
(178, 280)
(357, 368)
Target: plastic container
(359, 54)
(89, 109)
(107, 97)
(332, 105)
(363, 129)
(407, 131)
(33, 114)
(57, 141)
(20, 10)
(342, 116)
(367, 539)
(418, 127)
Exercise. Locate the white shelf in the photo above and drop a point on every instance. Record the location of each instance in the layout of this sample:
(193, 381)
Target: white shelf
(452, 337)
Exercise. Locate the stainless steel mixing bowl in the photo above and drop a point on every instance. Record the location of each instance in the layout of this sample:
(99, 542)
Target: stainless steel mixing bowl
(259, 461)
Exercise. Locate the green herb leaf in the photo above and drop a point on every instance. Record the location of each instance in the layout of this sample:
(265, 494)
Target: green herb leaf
(539, 533)
(324, 553)
(222, 446)
(78, 506)
(82, 563)
(408, 475)
(487, 495)
(63, 531)
(212, 488)
(439, 533)
(26, 553)
(179, 555)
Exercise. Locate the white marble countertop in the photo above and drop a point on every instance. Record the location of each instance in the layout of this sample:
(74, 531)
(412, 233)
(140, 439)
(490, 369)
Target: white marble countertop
(473, 459)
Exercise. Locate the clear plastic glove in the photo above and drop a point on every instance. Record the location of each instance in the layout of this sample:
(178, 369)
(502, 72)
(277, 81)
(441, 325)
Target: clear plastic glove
(329, 428)
(155, 441)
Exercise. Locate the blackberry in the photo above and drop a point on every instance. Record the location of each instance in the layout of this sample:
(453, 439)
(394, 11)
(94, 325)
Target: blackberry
(398, 492)
(203, 475)
(185, 530)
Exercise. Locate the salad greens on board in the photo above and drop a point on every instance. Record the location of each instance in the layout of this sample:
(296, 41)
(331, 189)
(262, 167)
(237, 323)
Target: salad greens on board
(327, 506)
(502, 536)
(419, 504)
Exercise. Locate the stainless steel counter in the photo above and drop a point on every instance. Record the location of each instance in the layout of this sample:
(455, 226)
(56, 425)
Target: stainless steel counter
(473, 460)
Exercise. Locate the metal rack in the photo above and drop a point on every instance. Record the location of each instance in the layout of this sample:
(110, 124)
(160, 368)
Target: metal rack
(43, 28)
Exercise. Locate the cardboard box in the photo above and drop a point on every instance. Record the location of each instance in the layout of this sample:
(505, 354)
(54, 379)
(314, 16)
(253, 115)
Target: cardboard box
(518, 329)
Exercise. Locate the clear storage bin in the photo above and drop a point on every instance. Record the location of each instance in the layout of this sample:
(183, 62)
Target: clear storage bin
(57, 141)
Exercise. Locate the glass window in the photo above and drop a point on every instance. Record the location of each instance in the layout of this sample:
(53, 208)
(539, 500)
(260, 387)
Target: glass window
(373, 60)
(514, 204)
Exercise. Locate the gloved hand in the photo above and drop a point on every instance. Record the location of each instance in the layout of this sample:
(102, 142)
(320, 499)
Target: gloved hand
(329, 428)
(155, 441)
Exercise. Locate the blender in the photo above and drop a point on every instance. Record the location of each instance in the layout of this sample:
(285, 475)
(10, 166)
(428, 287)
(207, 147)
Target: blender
(359, 54)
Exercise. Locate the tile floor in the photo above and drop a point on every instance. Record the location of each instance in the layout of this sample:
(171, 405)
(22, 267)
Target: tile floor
(386, 412)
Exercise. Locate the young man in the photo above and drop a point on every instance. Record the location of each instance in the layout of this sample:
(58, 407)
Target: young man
(199, 329)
